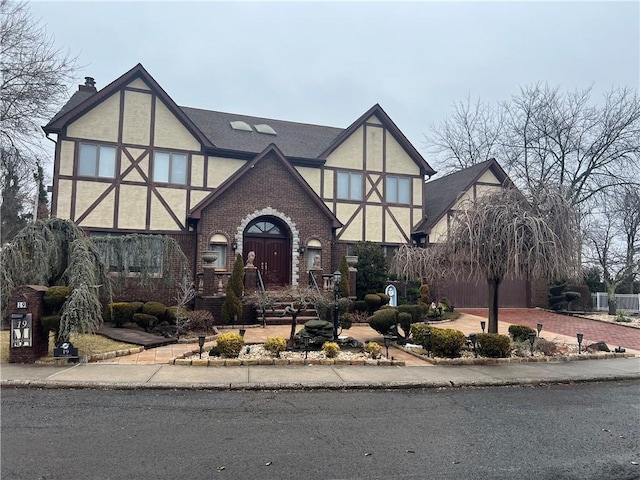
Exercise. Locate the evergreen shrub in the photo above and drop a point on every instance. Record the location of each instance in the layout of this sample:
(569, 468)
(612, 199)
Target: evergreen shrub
(418, 331)
(330, 349)
(230, 344)
(493, 345)
(122, 312)
(51, 323)
(447, 342)
(383, 320)
(275, 345)
(143, 320)
(156, 309)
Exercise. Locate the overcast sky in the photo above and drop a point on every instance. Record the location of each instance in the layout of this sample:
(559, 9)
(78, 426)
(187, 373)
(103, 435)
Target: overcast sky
(327, 63)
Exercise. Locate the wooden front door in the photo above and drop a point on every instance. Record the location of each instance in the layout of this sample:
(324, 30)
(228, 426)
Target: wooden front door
(270, 242)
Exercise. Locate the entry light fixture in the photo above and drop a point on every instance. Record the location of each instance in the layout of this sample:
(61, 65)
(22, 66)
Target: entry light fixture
(234, 245)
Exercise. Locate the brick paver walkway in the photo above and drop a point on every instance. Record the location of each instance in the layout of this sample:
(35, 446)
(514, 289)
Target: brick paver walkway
(593, 330)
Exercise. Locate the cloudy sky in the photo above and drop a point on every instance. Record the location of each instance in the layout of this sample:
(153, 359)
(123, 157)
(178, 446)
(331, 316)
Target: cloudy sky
(327, 63)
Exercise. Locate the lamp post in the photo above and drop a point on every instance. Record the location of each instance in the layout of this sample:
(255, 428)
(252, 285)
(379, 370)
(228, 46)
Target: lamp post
(336, 292)
(532, 339)
(201, 340)
(483, 324)
(539, 328)
(580, 337)
(474, 341)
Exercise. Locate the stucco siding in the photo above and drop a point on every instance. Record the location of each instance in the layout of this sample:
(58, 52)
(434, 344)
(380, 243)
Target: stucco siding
(197, 171)
(349, 153)
(373, 224)
(137, 118)
(64, 199)
(132, 206)
(311, 176)
(66, 157)
(102, 215)
(220, 169)
(403, 217)
(374, 148)
(170, 132)
(99, 123)
(86, 194)
(397, 159)
(488, 177)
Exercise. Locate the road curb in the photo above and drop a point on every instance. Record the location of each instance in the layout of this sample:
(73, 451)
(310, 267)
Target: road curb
(44, 384)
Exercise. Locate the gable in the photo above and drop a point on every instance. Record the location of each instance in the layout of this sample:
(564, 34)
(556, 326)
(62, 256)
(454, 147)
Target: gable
(99, 123)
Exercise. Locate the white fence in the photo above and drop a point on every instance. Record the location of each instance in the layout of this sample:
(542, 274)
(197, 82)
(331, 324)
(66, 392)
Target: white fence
(627, 302)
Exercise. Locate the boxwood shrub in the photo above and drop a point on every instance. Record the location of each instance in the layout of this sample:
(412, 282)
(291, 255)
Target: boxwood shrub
(373, 302)
(122, 312)
(494, 345)
(418, 330)
(156, 309)
(275, 345)
(51, 323)
(447, 342)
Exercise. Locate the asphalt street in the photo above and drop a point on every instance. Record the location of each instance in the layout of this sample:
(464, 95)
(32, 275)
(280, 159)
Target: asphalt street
(584, 431)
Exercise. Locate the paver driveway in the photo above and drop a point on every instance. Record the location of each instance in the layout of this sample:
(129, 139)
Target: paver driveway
(594, 331)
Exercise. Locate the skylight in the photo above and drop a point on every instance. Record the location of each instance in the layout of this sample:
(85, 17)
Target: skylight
(264, 128)
(240, 125)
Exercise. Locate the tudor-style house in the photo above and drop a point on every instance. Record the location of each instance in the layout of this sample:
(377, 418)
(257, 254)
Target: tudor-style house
(129, 160)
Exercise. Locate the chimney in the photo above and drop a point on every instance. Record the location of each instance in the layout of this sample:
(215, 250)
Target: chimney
(89, 85)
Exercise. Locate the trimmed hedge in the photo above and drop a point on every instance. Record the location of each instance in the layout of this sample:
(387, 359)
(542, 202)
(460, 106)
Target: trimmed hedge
(230, 344)
(520, 333)
(405, 319)
(156, 309)
(447, 342)
(383, 320)
(373, 302)
(171, 314)
(416, 311)
(122, 312)
(494, 345)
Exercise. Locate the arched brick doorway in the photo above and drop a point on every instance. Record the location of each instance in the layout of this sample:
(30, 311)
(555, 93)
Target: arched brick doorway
(269, 238)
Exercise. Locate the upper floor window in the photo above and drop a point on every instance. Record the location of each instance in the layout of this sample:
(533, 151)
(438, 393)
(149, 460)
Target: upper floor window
(170, 168)
(97, 161)
(398, 190)
(349, 186)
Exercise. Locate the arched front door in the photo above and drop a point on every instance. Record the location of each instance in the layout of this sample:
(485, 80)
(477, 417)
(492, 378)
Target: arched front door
(269, 239)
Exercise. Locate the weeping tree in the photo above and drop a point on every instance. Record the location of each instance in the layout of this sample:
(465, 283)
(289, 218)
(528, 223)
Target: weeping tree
(501, 235)
(56, 252)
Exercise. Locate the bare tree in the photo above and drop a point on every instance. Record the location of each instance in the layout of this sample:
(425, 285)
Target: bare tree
(470, 136)
(35, 74)
(544, 136)
(501, 235)
(613, 238)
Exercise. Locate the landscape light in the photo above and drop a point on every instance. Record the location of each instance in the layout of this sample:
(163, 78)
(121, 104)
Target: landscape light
(580, 337)
(539, 328)
(474, 340)
(532, 339)
(483, 324)
(201, 340)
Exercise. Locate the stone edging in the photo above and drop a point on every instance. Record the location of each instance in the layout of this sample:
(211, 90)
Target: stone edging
(236, 362)
(118, 353)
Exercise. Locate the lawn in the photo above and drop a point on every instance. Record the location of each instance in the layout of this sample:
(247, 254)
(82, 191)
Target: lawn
(86, 344)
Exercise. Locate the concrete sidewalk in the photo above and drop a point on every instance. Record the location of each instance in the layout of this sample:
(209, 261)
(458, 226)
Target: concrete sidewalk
(114, 376)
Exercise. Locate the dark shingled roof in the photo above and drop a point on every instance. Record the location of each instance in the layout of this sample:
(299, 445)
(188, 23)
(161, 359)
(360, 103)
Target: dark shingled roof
(442, 193)
(76, 99)
(298, 140)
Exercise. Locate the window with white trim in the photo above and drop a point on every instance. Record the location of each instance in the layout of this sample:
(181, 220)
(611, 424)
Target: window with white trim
(170, 167)
(398, 190)
(314, 249)
(97, 161)
(349, 186)
(218, 244)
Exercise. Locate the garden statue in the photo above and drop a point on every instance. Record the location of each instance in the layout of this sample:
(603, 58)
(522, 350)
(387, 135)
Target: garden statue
(250, 258)
(316, 263)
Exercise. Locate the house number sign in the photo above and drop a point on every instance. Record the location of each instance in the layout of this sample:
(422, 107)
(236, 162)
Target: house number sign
(21, 330)
(22, 305)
